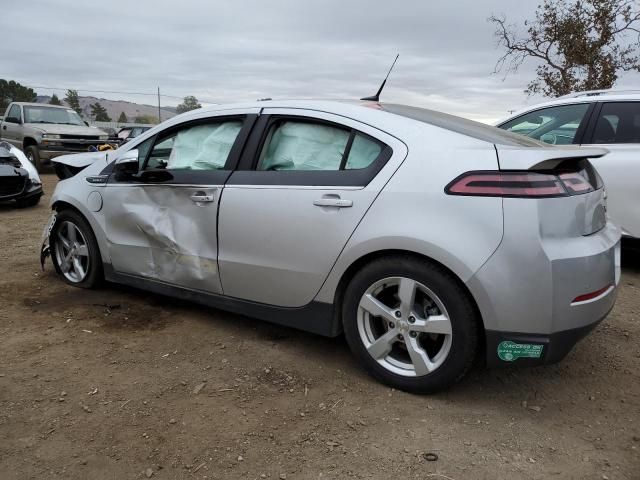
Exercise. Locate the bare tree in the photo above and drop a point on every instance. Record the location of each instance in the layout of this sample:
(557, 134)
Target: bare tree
(578, 45)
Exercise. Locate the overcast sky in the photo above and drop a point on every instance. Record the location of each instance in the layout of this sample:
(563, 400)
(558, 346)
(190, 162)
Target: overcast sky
(239, 50)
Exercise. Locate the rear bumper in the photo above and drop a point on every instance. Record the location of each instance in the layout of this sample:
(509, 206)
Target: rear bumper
(529, 294)
(551, 348)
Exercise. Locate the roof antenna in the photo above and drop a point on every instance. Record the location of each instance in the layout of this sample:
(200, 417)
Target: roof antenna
(376, 97)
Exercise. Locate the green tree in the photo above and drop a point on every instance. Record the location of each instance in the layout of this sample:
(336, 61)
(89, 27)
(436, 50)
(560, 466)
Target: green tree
(578, 45)
(122, 118)
(11, 91)
(146, 119)
(55, 100)
(73, 101)
(99, 113)
(190, 103)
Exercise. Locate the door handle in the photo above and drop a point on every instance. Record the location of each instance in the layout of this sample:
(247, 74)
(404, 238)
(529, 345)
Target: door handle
(199, 197)
(4, 127)
(333, 202)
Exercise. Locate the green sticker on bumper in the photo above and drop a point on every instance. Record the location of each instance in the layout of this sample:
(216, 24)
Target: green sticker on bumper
(510, 351)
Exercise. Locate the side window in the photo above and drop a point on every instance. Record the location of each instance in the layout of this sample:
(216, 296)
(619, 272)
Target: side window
(14, 112)
(555, 125)
(298, 145)
(198, 147)
(363, 152)
(618, 123)
(143, 150)
(308, 146)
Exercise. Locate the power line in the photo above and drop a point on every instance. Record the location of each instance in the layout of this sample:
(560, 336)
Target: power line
(108, 91)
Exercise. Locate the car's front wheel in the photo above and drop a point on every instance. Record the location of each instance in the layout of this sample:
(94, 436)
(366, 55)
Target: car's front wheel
(410, 323)
(74, 250)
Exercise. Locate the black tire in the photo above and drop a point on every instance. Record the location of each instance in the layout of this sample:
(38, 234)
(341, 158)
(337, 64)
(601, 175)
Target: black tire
(94, 275)
(461, 310)
(33, 154)
(28, 202)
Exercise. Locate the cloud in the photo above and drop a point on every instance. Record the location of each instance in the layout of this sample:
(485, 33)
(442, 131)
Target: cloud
(229, 51)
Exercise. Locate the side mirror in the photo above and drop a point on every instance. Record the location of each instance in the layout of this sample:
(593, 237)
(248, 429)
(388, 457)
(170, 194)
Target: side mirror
(127, 164)
(538, 120)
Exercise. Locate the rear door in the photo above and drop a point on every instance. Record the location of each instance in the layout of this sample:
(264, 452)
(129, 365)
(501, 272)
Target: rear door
(163, 226)
(306, 180)
(616, 126)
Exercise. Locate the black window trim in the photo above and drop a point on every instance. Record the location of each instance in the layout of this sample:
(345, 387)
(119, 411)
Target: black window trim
(246, 173)
(195, 177)
(582, 128)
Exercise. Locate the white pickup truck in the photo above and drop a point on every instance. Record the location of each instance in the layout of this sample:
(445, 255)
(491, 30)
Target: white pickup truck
(44, 131)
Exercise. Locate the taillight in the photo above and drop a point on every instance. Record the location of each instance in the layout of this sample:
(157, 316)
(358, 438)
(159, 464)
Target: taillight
(575, 183)
(507, 184)
(520, 184)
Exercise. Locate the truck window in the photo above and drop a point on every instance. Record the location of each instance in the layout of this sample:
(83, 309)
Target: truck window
(14, 112)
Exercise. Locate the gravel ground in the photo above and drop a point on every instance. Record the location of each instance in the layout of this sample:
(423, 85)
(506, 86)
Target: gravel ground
(118, 383)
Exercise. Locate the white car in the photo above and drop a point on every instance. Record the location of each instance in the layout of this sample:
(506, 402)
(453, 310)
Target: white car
(606, 118)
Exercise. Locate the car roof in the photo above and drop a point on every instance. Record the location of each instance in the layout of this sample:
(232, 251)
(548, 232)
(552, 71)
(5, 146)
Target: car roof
(375, 113)
(577, 98)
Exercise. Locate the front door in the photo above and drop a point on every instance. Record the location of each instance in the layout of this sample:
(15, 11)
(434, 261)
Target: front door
(161, 224)
(11, 129)
(306, 180)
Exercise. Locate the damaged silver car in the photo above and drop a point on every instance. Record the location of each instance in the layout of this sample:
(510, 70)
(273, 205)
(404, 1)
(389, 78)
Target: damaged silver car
(427, 239)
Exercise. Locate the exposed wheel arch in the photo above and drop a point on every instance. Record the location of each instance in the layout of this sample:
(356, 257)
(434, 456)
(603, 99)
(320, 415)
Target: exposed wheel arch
(372, 256)
(29, 142)
(62, 205)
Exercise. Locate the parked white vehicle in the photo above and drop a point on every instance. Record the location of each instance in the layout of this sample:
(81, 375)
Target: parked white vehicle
(606, 118)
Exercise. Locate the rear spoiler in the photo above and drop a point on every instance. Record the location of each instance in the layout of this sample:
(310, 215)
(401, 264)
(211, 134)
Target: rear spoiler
(543, 157)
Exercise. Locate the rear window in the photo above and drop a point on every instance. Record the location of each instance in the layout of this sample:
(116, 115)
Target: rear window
(460, 125)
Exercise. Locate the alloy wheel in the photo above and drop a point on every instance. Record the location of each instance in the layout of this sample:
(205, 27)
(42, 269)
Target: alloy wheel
(404, 326)
(72, 253)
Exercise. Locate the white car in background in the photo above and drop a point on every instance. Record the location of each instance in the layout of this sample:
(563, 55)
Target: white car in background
(606, 118)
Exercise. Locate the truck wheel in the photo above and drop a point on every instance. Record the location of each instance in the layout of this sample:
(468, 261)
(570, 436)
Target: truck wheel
(33, 155)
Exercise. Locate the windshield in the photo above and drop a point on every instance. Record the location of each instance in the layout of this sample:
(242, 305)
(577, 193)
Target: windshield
(51, 115)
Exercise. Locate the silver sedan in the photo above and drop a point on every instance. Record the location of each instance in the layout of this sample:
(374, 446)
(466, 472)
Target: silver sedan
(429, 240)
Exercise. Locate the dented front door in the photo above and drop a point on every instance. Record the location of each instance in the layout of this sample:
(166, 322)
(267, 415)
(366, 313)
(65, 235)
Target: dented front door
(163, 227)
(161, 232)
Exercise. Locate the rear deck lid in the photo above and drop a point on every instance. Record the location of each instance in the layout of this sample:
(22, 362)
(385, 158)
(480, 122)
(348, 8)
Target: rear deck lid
(542, 156)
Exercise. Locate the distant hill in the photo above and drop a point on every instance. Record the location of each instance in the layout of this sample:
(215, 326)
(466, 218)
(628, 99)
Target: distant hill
(115, 107)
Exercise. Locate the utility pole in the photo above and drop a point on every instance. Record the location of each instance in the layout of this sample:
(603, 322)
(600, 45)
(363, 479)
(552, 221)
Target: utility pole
(159, 117)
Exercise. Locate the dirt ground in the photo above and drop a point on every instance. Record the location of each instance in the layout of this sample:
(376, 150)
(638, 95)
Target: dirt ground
(122, 384)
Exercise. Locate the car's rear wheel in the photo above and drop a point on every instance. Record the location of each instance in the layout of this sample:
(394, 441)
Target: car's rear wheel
(410, 323)
(74, 250)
